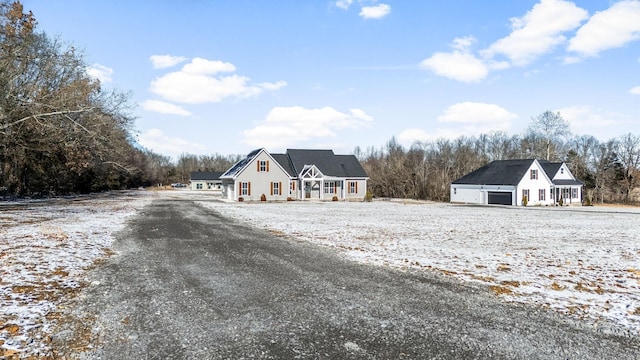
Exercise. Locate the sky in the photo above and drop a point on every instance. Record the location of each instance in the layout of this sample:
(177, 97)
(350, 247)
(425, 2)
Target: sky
(228, 77)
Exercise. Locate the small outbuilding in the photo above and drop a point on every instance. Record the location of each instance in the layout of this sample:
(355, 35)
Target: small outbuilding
(206, 180)
(519, 182)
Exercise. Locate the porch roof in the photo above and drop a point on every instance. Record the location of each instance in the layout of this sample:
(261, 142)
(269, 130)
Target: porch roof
(567, 183)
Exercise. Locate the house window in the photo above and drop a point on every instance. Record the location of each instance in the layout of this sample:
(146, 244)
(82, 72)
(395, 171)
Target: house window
(561, 170)
(455, 191)
(574, 193)
(245, 188)
(534, 174)
(525, 194)
(263, 165)
(292, 187)
(199, 186)
(353, 187)
(275, 188)
(541, 194)
(330, 187)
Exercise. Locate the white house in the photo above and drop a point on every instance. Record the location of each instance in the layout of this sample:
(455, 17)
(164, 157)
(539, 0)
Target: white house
(509, 182)
(206, 180)
(296, 174)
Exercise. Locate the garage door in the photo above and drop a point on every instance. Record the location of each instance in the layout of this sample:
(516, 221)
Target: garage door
(500, 198)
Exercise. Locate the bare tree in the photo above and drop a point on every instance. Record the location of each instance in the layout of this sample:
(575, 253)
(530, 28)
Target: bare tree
(551, 128)
(628, 151)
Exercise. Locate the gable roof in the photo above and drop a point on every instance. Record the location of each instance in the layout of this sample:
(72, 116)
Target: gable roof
(510, 172)
(237, 167)
(551, 168)
(498, 172)
(327, 162)
(294, 161)
(205, 175)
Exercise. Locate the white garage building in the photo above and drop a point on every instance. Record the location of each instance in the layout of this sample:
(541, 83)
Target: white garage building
(509, 182)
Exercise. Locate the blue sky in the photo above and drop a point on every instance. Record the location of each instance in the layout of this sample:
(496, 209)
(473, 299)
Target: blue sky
(231, 76)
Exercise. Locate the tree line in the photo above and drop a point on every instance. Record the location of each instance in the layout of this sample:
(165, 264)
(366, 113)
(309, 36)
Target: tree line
(609, 169)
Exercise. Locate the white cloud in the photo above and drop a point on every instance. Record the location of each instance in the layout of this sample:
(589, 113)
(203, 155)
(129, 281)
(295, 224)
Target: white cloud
(611, 28)
(100, 72)
(343, 4)
(458, 65)
(286, 126)
(375, 12)
(538, 32)
(164, 108)
(158, 142)
(200, 82)
(480, 114)
(200, 66)
(165, 61)
(635, 90)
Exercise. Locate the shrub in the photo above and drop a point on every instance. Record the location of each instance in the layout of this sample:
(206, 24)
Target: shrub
(561, 201)
(334, 198)
(525, 201)
(240, 199)
(263, 197)
(368, 197)
(289, 198)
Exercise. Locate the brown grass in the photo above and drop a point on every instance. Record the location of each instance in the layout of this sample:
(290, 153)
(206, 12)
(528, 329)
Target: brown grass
(500, 290)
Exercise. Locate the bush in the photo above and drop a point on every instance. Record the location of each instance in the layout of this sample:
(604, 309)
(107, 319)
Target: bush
(368, 197)
(263, 197)
(240, 199)
(334, 198)
(525, 201)
(289, 198)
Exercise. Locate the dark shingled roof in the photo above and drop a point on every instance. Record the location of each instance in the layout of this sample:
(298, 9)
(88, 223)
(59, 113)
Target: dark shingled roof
(550, 168)
(327, 162)
(233, 171)
(510, 172)
(499, 172)
(285, 162)
(206, 175)
(294, 160)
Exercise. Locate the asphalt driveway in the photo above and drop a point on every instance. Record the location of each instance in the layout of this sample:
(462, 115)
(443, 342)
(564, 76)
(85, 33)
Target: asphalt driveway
(187, 283)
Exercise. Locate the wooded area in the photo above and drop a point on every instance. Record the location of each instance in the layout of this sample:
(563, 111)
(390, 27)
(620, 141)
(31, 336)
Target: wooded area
(61, 132)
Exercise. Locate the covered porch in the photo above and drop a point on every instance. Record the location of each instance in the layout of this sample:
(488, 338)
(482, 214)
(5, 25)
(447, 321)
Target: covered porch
(567, 192)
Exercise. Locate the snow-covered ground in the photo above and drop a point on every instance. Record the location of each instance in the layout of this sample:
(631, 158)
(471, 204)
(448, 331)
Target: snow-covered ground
(584, 262)
(45, 250)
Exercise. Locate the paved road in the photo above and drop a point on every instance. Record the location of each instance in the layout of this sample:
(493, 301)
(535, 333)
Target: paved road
(187, 283)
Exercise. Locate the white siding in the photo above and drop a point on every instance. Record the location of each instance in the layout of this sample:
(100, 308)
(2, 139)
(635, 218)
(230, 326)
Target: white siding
(261, 181)
(476, 194)
(359, 194)
(534, 186)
